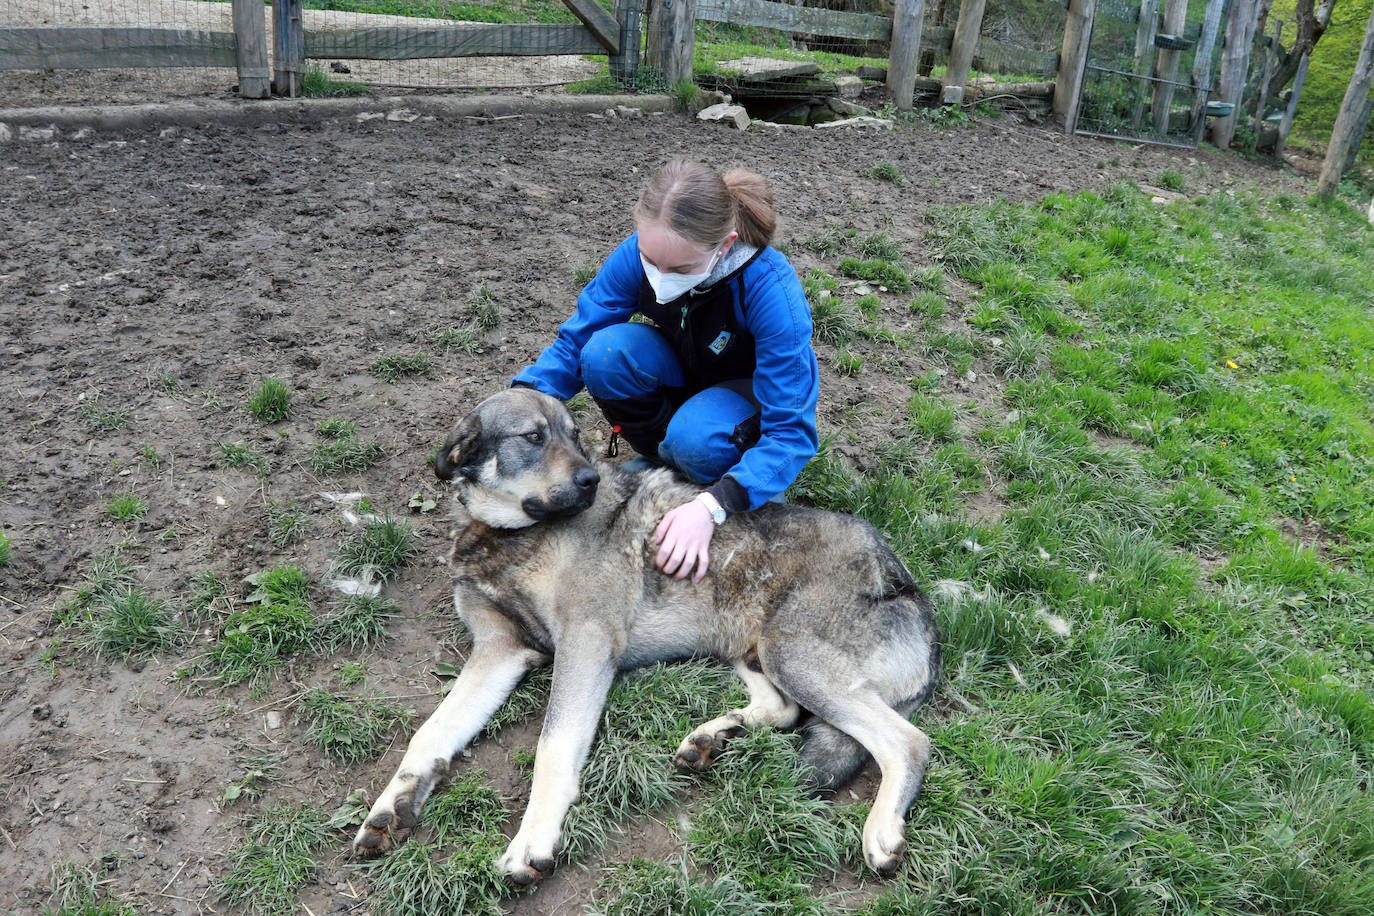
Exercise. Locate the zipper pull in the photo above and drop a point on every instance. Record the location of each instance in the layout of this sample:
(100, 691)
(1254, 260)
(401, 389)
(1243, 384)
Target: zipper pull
(684, 318)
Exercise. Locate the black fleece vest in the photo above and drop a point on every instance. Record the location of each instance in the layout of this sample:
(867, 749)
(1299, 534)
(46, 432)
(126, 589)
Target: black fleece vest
(709, 340)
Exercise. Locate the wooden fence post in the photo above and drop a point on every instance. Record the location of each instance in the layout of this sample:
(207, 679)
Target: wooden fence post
(628, 13)
(1175, 18)
(1068, 85)
(1241, 21)
(672, 38)
(961, 50)
(1287, 123)
(1352, 109)
(288, 40)
(1202, 64)
(1144, 57)
(908, 17)
(250, 34)
(1269, 59)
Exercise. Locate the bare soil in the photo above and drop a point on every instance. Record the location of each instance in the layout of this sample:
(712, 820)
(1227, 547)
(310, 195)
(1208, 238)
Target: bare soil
(220, 256)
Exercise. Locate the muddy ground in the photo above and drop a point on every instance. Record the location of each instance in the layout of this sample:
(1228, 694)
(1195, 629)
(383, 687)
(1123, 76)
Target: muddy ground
(215, 257)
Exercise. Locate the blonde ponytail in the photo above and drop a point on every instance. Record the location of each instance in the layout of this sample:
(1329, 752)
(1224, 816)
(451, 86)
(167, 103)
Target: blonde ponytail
(694, 202)
(755, 219)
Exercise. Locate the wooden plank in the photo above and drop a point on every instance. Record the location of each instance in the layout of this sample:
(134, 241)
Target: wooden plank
(250, 30)
(600, 23)
(1161, 105)
(1242, 17)
(629, 13)
(1202, 62)
(908, 18)
(504, 40)
(672, 37)
(288, 46)
(1144, 60)
(961, 50)
(992, 56)
(1068, 83)
(95, 48)
(1263, 102)
(805, 19)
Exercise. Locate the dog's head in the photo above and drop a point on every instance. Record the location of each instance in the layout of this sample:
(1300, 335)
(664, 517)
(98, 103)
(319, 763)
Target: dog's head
(516, 460)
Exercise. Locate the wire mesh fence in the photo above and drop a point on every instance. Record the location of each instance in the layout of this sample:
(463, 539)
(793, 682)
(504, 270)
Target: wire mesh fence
(1150, 71)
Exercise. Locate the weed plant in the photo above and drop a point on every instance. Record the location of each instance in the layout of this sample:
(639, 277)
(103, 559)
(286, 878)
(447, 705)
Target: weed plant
(276, 621)
(100, 419)
(358, 623)
(316, 84)
(378, 550)
(113, 617)
(885, 171)
(336, 428)
(835, 320)
(76, 891)
(284, 523)
(275, 859)
(128, 508)
(271, 403)
(344, 456)
(6, 549)
(485, 312)
(349, 729)
(847, 364)
(395, 366)
(876, 270)
(239, 455)
(464, 339)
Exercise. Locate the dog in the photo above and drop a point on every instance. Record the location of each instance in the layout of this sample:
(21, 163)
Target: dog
(552, 561)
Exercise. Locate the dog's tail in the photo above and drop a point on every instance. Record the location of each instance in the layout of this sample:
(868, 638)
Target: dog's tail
(830, 758)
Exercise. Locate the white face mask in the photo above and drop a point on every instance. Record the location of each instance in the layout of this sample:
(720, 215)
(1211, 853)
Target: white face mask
(668, 287)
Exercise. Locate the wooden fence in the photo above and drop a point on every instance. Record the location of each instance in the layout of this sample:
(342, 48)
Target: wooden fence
(618, 36)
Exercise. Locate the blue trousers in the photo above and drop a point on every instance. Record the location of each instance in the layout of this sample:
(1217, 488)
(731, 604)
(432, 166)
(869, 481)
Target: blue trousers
(630, 368)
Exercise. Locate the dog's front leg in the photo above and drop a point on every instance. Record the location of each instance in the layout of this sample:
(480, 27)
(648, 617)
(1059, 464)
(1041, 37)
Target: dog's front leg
(584, 665)
(495, 666)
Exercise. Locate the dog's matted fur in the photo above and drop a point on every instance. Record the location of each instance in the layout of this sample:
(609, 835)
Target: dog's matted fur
(553, 560)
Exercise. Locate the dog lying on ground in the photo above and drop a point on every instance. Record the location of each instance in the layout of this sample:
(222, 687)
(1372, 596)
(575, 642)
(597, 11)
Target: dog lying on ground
(553, 561)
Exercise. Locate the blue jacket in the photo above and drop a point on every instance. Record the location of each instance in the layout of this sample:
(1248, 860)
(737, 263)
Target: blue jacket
(786, 378)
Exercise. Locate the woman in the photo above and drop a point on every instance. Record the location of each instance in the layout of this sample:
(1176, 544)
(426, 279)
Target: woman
(723, 385)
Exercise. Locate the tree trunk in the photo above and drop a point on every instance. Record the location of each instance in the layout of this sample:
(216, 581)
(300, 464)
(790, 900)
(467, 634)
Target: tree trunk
(1348, 121)
(1235, 61)
(1175, 18)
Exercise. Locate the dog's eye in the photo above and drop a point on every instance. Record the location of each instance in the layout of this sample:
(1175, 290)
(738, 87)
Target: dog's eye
(535, 437)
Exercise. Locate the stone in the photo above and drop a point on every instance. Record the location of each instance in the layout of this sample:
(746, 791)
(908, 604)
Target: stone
(273, 719)
(880, 123)
(734, 114)
(705, 98)
(39, 134)
(369, 116)
(867, 72)
(626, 111)
(402, 114)
(766, 68)
(849, 87)
(6, 135)
(840, 106)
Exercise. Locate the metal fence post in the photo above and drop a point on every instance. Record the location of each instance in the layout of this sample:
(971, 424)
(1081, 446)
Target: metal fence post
(288, 46)
(250, 34)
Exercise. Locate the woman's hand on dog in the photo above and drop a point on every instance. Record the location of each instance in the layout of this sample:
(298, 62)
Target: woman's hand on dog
(683, 538)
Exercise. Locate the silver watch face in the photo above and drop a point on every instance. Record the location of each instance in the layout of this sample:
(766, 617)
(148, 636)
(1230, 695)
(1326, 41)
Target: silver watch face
(718, 516)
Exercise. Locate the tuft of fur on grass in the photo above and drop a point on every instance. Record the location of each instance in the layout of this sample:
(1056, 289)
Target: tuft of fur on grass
(239, 455)
(349, 729)
(359, 623)
(344, 456)
(128, 508)
(380, 548)
(396, 366)
(275, 859)
(271, 403)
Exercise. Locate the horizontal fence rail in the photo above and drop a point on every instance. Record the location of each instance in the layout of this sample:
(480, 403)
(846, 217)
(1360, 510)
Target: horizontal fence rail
(401, 43)
(787, 18)
(93, 48)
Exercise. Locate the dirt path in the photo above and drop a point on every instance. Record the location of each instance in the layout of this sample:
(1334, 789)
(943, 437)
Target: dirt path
(162, 275)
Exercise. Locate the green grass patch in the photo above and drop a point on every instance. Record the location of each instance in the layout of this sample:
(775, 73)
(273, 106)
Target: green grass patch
(277, 856)
(377, 550)
(359, 622)
(275, 622)
(239, 455)
(77, 890)
(395, 366)
(885, 170)
(127, 508)
(336, 428)
(271, 403)
(316, 84)
(349, 729)
(114, 617)
(6, 549)
(344, 456)
(877, 270)
(285, 523)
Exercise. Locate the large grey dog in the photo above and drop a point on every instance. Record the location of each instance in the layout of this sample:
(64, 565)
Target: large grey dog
(552, 559)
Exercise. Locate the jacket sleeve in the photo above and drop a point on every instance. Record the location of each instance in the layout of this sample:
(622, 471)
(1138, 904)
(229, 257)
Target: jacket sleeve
(786, 384)
(611, 298)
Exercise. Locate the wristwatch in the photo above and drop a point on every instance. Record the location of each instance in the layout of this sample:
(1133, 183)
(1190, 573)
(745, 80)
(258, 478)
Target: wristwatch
(709, 501)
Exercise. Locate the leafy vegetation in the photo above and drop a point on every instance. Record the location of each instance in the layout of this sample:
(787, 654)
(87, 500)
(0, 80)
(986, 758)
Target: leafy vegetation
(271, 403)
(275, 859)
(349, 729)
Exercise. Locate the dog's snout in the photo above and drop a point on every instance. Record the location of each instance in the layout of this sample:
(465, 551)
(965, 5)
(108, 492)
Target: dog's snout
(586, 479)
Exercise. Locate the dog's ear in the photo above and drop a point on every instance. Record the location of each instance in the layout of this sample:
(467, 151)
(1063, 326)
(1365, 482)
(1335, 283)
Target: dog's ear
(458, 448)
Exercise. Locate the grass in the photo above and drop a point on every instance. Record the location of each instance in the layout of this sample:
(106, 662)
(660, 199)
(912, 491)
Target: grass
(885, 171)
(271, 403)
(113, 617)
(336, 428)
(349, 729)
(377, 550)
(877, 270)
(6, 549)
(239, 455)
(486, 314)
(358, 623)
(275, 859)
(285, 523)
(395, 366)
(101, 419)
(317, 84)
(275, 622)
(127, 508)
(464, 339)
(344, 456)
(76, 891)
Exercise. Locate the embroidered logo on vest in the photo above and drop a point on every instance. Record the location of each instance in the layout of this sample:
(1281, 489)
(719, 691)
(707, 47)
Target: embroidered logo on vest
(718, 345)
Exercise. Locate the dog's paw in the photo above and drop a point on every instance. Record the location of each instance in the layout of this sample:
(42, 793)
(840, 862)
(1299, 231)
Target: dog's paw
(391, 818)
(522, 864)
(707, 742)
(883, 846)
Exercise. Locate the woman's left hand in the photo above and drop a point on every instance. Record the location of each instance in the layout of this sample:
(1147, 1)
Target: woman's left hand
(683, 538)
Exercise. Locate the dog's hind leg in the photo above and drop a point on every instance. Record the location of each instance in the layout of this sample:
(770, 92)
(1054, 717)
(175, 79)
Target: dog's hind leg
(767, 706)
(497, 663)
(584, 664)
